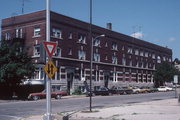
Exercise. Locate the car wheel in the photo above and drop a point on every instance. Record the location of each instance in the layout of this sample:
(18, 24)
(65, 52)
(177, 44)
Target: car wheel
(58, 96)
(35, 98)
(110, 94)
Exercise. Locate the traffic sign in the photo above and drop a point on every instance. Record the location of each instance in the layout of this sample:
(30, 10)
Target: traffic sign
(50, 69)
(50, 47)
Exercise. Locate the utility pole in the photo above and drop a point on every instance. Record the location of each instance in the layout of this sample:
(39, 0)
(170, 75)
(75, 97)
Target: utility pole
(47, 116)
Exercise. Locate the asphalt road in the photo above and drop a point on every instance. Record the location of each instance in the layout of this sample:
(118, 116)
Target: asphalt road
(14, 110)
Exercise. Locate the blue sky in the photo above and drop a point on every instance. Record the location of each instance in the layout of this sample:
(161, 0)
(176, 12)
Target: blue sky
(156, 21)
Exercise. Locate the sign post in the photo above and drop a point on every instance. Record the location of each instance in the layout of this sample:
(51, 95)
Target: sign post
(49, 67)
(175, 82)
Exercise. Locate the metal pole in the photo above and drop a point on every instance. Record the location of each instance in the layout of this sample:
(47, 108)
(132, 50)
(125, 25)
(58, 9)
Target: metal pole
(48, 81)
(91, 64)
(175, 90)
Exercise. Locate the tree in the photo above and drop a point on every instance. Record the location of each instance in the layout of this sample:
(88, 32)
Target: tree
(15, 64)
(164, 73)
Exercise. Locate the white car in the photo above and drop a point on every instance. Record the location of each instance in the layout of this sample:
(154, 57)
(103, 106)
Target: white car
(164, 89)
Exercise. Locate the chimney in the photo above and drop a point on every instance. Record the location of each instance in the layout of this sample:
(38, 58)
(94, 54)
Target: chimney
(109, 26)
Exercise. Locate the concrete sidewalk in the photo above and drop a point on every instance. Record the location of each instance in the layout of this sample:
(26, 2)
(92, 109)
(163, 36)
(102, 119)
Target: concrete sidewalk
(158, 110)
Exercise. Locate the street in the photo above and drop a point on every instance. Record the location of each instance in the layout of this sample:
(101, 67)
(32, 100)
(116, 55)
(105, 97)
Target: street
(13, 110)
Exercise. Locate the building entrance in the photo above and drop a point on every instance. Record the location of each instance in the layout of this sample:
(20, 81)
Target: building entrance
(70, 80)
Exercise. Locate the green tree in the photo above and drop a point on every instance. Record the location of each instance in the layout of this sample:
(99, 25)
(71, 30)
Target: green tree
(15, 64)
(164, 73)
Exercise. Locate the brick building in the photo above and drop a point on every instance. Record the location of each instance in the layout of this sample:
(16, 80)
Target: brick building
(118, 59)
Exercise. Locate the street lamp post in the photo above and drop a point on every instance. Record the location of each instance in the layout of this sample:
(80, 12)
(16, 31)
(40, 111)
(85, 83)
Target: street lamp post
(91, 65)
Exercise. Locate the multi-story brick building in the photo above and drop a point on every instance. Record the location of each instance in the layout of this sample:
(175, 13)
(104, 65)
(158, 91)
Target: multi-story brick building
(118, 59)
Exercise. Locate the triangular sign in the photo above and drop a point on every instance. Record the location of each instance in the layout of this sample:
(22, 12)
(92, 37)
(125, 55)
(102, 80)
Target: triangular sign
(50, 47)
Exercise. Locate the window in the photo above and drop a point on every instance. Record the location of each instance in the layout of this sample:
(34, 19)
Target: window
(37, 32)
(19, 33)
(141, 53)
(37, 50)
(106, 44)
(153, 56)
(114, 59)
(81, 38)
(70, 35)
(57, 52)
(57, 33)
(146, 54)
(96, 57)
(7, 36)
(96, 42)
(170, 60)
(114, 46)
(136, 52)
(81, 55)
(123, 61)
(130, 50)
(130, 63)
(70, 51)
(164, 58)
(158, 59)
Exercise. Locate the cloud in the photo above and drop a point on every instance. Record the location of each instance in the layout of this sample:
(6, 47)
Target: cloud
(137, 35)
(171, 39)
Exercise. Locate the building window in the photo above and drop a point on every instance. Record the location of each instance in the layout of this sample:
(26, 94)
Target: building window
(82, 38)
(106, 44)
(141, 53)
(7, 36)
(37, 50)
(130, 50)
(96, 42)
(57, 33)
(114, 59)
(106, 58)
(70, 35)
(57, 52)
(81, 55)
(136, 52)
(96, 57)
(70, 51)
(158, 59)
(19, 33)
(114, 46)
(130, 63)
(153, 56)
(146, 54)
(170, 60)
(37, 32)
(164, 58)
(123, 61)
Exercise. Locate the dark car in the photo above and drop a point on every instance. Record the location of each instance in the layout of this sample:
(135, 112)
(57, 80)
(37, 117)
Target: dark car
(41, 95)
(121, 90)
(100, 91)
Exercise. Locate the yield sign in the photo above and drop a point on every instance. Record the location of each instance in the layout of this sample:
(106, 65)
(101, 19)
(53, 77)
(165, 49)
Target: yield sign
(50, 47)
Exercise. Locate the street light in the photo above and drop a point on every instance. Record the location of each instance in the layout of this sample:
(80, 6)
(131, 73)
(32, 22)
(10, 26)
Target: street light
(91, 62)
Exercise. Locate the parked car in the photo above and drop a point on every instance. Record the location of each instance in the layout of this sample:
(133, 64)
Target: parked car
(136, 90)
(144, 90)
(164, 88)
(152, 89)
(41, 95)
(100, 91)
(121, 90)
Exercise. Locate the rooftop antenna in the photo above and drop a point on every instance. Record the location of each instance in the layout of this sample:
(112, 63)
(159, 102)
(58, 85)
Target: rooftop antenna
(23, 5)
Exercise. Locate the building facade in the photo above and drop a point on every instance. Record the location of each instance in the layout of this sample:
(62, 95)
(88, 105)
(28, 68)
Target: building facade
(118, 59)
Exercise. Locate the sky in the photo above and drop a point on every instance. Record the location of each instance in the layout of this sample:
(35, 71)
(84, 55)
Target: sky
(155, 21)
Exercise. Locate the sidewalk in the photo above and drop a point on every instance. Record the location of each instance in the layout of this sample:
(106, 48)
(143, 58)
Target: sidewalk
(158, 110)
